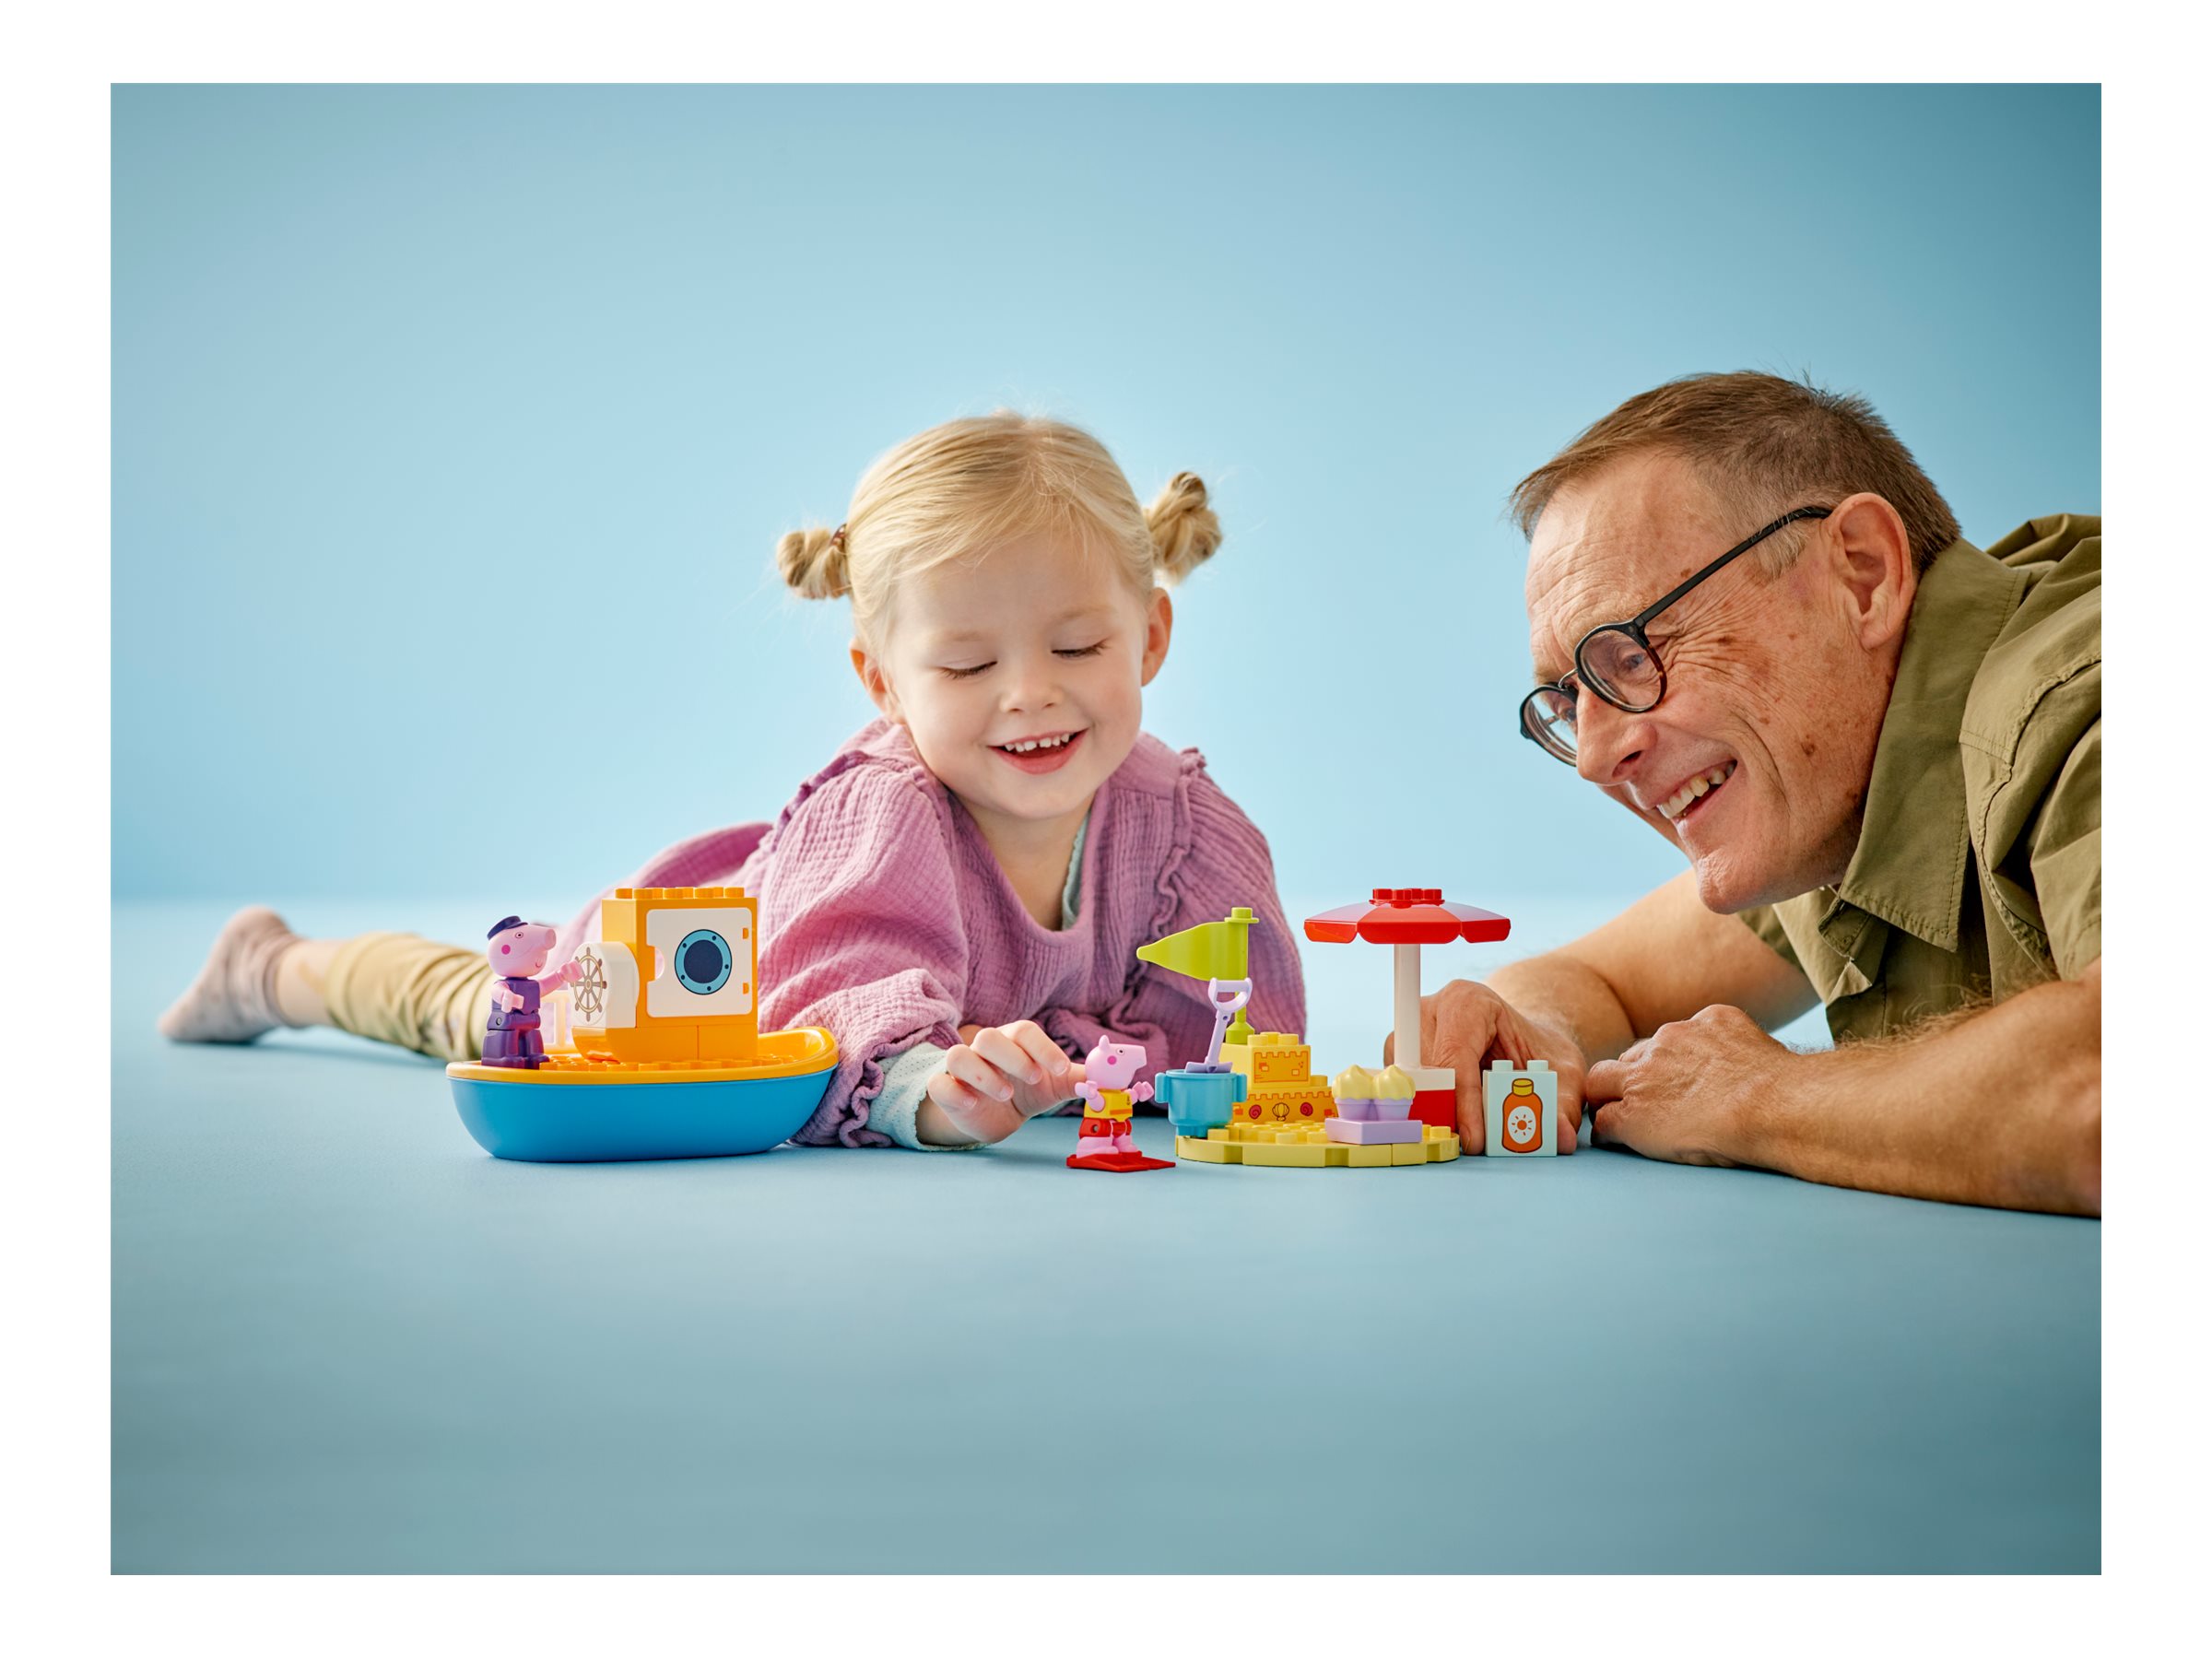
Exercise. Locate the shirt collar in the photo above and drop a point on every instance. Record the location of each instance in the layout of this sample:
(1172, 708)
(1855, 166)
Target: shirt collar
(1909, 868)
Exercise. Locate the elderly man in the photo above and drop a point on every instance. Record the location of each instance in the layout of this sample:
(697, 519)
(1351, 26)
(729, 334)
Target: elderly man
(1755, 627)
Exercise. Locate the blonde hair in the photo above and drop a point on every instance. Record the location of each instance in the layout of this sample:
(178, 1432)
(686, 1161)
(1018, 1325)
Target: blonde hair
(959, 489)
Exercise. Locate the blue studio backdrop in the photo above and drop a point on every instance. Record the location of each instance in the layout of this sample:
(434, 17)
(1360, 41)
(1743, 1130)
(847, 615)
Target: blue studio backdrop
(404, 375)
(409, 379)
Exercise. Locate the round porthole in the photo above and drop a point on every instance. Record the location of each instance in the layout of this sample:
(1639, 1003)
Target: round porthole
(703, 961)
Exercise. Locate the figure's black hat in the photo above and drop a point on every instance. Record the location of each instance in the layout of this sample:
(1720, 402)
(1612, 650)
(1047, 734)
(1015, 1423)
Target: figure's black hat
(500, 927)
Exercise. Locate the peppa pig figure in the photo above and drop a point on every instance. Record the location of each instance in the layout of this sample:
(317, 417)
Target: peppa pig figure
(1111, 1092)
(518, 951)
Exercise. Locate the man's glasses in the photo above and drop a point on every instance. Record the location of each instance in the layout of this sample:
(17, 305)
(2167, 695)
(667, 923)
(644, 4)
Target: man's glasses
(1616, 663)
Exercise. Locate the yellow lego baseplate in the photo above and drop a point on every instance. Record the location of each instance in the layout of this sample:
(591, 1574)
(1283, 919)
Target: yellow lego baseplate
(1307, 1147)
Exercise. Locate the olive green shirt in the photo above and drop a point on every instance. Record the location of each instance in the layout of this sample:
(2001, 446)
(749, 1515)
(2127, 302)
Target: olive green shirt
(1980, 868)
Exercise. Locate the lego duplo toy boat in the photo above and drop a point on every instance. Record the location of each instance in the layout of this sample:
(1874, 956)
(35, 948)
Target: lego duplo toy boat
(663, 1056)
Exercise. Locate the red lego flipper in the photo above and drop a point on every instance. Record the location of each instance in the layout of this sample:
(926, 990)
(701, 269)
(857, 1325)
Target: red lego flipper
(1119, 1163)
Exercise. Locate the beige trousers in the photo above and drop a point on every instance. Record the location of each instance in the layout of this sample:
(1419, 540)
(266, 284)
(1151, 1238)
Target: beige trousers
(403, 989)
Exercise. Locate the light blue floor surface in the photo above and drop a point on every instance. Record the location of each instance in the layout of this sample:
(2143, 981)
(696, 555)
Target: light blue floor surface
(346, 1340)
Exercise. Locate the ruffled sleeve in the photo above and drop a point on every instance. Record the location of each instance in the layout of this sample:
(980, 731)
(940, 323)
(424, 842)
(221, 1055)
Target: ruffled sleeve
(861, 922)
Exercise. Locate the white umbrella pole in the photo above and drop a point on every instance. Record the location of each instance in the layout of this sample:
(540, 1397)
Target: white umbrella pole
(1406, 962)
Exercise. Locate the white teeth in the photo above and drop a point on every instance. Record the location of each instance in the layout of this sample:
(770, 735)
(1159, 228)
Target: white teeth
(1034, 743)
(1678, 803)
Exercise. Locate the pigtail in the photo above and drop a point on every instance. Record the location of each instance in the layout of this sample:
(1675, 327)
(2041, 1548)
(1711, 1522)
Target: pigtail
(813, 562)
(1184, 530)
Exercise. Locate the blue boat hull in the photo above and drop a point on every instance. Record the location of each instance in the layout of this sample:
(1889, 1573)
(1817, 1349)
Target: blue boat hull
(605, 1123)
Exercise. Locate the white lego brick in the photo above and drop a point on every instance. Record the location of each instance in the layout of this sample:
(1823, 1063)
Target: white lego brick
(1523, 1125)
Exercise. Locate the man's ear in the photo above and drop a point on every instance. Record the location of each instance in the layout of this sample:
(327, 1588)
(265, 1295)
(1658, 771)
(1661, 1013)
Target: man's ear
(1160, 624)
(877, 683)
(1873, 561)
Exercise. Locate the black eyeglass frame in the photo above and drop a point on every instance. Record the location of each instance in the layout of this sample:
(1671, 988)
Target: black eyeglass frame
(1634, 629)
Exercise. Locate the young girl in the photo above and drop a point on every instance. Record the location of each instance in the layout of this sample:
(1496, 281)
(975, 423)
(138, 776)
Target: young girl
(958, 895)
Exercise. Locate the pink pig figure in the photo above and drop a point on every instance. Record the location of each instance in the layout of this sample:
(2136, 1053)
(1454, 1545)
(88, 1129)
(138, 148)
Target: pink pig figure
(1109, 1094)
(518, 951)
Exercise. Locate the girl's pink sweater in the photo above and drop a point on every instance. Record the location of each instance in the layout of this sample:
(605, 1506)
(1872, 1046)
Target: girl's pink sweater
(885, 917)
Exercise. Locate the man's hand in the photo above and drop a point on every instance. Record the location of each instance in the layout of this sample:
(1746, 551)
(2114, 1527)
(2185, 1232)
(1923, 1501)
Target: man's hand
(1685, 1092)
(1466, 1025)
(1000, 1076)
(1999, 1106)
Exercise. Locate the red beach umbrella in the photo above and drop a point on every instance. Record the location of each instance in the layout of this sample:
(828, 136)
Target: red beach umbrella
(1407, 916)
(1405, 919)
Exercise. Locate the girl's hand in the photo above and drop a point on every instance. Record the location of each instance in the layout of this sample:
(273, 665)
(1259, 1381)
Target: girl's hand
(999, 1078)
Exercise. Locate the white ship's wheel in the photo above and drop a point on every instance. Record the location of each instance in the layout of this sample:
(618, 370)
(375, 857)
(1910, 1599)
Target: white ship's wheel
(588, 992)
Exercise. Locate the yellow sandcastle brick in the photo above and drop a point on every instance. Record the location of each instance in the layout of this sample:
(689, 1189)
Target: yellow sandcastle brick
(1280, 1057)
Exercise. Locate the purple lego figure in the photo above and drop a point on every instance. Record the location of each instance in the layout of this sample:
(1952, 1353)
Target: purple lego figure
(1110, 1093)
(518, 951)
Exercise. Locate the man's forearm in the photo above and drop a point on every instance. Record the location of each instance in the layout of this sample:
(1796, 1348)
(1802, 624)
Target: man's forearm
(1662, 958)
(2003, 1108)
(1559, 991)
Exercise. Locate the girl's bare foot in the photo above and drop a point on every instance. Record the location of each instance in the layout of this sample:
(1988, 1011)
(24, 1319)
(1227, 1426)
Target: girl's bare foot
(234, 999)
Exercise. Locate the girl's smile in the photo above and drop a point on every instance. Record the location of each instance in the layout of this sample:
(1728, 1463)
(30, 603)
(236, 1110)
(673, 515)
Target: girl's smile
(1048, 753)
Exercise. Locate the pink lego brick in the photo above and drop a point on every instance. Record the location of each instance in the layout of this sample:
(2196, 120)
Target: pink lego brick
(1367, 1133)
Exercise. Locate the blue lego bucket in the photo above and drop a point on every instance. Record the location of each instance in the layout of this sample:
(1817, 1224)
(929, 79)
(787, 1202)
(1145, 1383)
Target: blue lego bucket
(1199, 1100)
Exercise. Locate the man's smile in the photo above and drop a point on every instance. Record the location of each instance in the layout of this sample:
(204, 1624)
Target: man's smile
(1691, 796)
